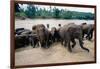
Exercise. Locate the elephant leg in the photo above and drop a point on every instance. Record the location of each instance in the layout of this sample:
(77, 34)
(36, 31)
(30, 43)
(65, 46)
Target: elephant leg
(47, 46)
(53, 39)
(33, 43)
(88, 36)
(65, 42)
(42, 45)
(91, 35)
(81, 45)
(37, 43)
(46, 41)
(74, 43)
(83, 35)
(61, 41)
(69, 47)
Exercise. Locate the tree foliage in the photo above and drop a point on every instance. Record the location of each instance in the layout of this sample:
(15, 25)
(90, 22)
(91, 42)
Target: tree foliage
(35, 12)
(17, 8)
(30, 12)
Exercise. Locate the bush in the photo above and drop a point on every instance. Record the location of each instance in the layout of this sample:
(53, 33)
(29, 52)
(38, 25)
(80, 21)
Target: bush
(20, 14)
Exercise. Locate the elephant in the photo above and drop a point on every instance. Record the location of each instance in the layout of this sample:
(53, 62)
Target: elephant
(19, 31)
(55, 34)
(25, 37)
(21, 41)
(33, 40)
(88, 30)
(70, 32)
(21, 37)
(26, 32)
(32, 37)
(62, 33)
(43, 35)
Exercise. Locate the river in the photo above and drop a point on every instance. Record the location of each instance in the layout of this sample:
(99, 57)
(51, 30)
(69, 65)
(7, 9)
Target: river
(28, 23)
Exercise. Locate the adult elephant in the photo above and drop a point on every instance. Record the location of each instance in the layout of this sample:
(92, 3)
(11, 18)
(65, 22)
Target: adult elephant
(70, 32)
(43, 34)
(87, 30)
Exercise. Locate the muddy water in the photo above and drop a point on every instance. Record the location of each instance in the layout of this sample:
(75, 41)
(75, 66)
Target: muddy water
(28, 23)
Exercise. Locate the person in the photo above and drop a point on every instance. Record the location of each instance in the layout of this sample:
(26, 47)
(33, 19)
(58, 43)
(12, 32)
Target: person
(47, 25)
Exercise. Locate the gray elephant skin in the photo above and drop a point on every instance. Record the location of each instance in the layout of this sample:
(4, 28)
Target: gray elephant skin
(87, 30)
(69, 33)
(43, 35)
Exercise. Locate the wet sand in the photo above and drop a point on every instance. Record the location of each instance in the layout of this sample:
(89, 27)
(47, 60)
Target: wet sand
(55, 54)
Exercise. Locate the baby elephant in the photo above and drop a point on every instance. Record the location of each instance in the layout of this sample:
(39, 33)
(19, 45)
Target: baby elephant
(69, 33)
(55, 34)
(33, 40)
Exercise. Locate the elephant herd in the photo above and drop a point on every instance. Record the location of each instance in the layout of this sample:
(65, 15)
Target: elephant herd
(41, 36)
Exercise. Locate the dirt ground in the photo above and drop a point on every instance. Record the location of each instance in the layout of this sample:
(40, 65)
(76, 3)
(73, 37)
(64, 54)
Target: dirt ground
(56, 53)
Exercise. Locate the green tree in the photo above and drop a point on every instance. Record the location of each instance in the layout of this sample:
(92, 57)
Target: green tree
(56, 13)
(17, 7)
(31, 11)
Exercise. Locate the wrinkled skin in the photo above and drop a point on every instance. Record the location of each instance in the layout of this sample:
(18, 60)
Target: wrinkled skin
(55, 34)
(69, 33)
(43, 35)
(87, 30)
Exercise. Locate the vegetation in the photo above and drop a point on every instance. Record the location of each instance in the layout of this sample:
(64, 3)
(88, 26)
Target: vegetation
(35, 12)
